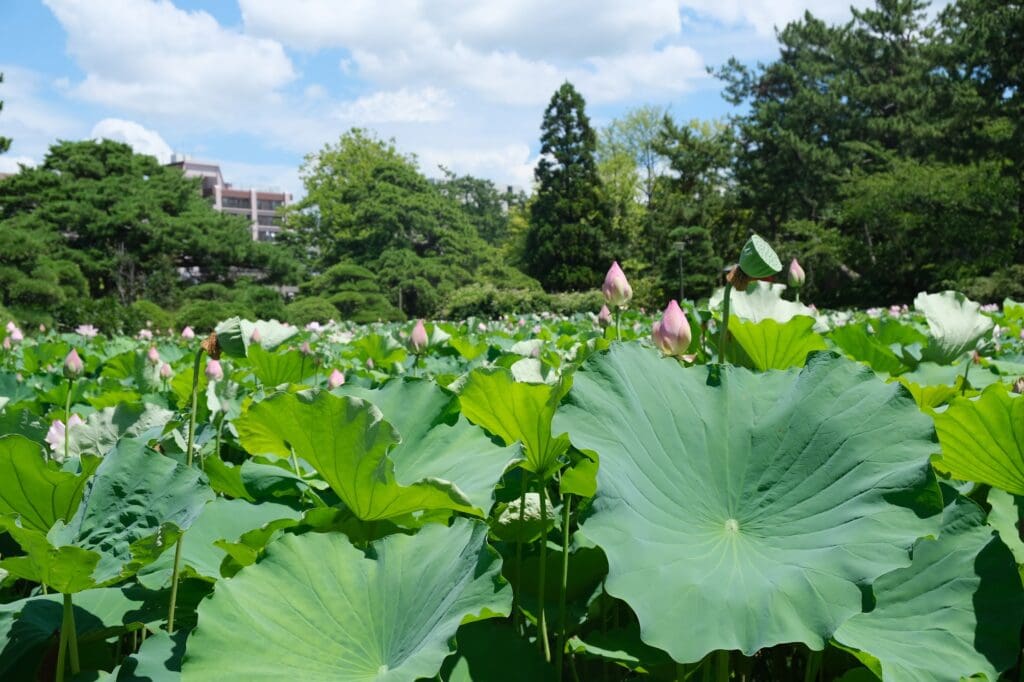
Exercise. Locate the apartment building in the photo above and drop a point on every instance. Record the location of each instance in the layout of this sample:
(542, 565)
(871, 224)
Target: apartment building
(258, 206)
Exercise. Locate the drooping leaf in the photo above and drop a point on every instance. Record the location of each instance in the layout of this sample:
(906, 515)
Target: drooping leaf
(234, 336)
(760, 301)
(157, 660)
(955, 324)
(759, 501)
(516, 412)
(281, 367)
(983, 439)
(956, 611)
(774, 345)
(34, 490)
(103, 429)
(438, 442)
(493, 651)
(317, 608)
(1007, 519)
(347, 441)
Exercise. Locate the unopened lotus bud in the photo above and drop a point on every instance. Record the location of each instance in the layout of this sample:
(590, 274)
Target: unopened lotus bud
(73, 365)
(975, 357)
(11, 326)
(188, 334)
(418, 339)
(153, 355)
(335, 379)
(305, 349)
(797, 277)
(1018, 385)
(214, 372)
(616, 289)
(42, 328)
(672, 332)
(165, 371)
(255, 337)
(17, 336)
(604, 318)
(369, 363)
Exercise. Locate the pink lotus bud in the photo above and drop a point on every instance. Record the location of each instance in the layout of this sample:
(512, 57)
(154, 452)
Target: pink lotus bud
(305, 349)
(42, 328)
(17, 336)
(165, 371)
(1018, 385)
(616, 289)
(7, 343)
(672, 333)
(418, 339)
(796, 274)
(369, 363)
(11, 326)
(214, 372)
(188, 334)
(335, 379)
(73, 365)
(255, 337)
(153, 355)
(604, 318)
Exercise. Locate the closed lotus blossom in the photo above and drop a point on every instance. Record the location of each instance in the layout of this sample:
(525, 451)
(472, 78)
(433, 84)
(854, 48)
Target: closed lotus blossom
(73, 365)
(55, 435)
(17, 336)
(166, 372)
(418, 339)
(11, 326)
(616, 289)
(335, 379)
(153, 355)
(214, 372)
(188, 334)
(672, 332)
(604, 318)
(86, 330)
(796, 275)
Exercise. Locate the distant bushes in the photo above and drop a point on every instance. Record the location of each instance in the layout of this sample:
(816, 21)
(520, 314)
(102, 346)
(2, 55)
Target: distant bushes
(488, 301)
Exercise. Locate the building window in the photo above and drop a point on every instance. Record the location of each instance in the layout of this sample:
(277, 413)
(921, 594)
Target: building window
(267, 235)
(235, 202)
(264, 219)
(268, 204)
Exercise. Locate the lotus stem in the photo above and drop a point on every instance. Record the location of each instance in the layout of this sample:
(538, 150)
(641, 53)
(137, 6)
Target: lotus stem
(618, 323)
(722, 666)
(68, 641)
(67, 417)
(963, 382)
(723, 332)
(188, 455)
(566, 505)
(813, 666)
(542, 625)
(519, 550)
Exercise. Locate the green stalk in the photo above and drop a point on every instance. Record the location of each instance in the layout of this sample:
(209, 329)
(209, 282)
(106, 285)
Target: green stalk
(519, 550)
(618, 323)
(542, 625)
(188, 455)
(68, 641)
(725, 323)
(566, 504)
(722, 666)
(813, 666)
(67, 416)
(963, 384)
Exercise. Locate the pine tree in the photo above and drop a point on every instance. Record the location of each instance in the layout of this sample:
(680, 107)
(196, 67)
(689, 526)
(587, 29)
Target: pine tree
(566, 246)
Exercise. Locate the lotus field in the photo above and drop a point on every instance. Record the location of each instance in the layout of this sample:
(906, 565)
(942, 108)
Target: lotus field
(748, 490)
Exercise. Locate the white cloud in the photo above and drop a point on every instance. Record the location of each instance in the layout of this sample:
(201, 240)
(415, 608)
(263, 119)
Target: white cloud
(141, 139)
(149, 56)
(10, 164)
(510, 164)
(30, 118)
(425, 105)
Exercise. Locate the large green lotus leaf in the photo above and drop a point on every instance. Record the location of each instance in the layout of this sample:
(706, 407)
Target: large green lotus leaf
(317, 608)
(103, 429)
(862, 344)
(281, 367)
(760, 301)
(933, 374)
(983, 439)
(219, 520)
(347, 441)
(1013, 310)
(955, 324)
(34, 490)
(158, 659)
(493, 651)
(516, 412)
(956, 611)
(742, 510)
(133, 507)
(234, 335)
(1007, 519)
(773, 345)
(439, 443)
(383, 350)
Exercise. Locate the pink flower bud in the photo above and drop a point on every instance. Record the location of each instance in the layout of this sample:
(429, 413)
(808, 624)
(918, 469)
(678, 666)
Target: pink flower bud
(7, 343)
(796, 274)
(604, 318)
(11, 326)
(418, 339)
(188, 334)
(73, 365)
(255, 337)
(153, 355)
(369, 363)
(672, 333)
(335, 379)
(214, 372)
(42, 328)
(305, 349)
(616, 289)
(165, 371)
(17, 336)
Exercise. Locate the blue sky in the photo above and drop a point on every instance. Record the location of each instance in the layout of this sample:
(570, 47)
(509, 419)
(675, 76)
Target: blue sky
(255, 85)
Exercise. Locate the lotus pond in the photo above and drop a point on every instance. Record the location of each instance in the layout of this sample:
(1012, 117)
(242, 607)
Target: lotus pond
(526, 499)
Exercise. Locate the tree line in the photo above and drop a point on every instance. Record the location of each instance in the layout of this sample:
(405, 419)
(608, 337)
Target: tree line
(885, 152)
